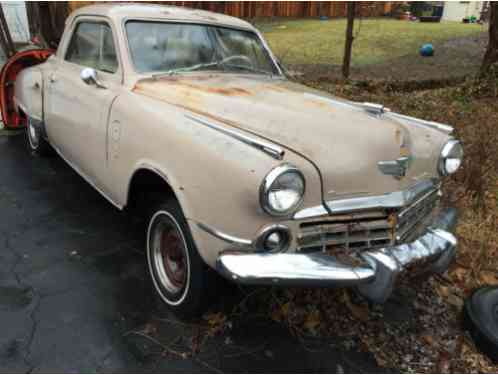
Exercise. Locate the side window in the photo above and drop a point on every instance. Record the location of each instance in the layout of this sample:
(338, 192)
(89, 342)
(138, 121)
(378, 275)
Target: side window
(92, 46)
(108, 59)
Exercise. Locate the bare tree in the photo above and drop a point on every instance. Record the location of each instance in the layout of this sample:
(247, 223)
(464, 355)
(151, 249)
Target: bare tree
(491, 55)
(346, 62)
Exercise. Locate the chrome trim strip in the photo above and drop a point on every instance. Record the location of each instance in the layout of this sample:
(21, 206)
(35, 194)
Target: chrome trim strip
(269, 148)
(242, 243)
(269, 51)
(430, 124)
(225, 237)
(390, 200)
(379, 109)
(311, 212)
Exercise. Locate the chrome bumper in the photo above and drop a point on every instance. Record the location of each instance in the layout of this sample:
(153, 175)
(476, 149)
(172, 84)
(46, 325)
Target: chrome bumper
(374, 279)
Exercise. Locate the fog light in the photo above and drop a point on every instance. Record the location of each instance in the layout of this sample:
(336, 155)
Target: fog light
(273, 238)
(273, 241)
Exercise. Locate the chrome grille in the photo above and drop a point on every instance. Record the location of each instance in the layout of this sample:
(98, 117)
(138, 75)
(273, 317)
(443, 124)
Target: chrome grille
(411, 218)
(357, 232)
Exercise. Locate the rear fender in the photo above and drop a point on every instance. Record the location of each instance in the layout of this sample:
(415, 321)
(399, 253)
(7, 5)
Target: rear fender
(22, 89)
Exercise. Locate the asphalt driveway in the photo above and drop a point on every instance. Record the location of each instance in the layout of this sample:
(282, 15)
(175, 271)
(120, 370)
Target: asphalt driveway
(75, 296)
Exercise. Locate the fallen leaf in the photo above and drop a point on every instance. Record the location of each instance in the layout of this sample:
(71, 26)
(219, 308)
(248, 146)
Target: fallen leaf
(443, 363)
(312, 320)
(455, 301)
(444, 291)
(216, 322)
(488, 277)
(149, 329)
(360, 312)
(428, 339)
(460, 273)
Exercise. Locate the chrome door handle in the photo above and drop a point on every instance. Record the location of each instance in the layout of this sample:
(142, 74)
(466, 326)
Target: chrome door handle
(51, 78)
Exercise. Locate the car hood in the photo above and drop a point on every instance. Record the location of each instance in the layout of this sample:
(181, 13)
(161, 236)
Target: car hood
(342, 140)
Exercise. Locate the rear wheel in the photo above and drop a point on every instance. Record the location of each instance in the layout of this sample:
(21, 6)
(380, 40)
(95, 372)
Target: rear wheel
(36, 143)
(182, 280)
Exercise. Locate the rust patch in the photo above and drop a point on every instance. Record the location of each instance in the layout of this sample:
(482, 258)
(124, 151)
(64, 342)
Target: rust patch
(404, 151)
(178, 83)
(227, 91)
(140, 90)
(207, 115)
(398, 137)
(276, 88)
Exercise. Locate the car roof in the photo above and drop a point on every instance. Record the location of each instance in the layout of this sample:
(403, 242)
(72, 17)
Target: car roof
(161, 12)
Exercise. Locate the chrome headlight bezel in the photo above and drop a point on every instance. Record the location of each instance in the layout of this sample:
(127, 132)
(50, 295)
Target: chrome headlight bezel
(269, 181)
(451, 150)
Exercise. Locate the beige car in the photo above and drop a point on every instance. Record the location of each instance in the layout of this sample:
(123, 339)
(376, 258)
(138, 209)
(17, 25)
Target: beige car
(188, 114)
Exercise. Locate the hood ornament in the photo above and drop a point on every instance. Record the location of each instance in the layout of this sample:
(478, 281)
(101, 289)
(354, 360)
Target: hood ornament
(396, 168)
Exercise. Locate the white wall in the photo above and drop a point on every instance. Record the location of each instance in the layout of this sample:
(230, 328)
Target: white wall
(17, 20)
(457, 10)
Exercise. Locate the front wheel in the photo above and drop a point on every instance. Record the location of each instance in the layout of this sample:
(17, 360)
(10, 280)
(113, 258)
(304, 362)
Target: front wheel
(181, 278)
(36, 143)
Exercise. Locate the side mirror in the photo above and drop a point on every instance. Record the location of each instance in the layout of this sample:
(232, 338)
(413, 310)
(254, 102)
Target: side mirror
(89, 76)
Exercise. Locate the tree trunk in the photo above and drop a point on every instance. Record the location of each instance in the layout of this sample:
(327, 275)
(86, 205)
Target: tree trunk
(5, 38)
(46, 21)
(346, 62)
(491, 55)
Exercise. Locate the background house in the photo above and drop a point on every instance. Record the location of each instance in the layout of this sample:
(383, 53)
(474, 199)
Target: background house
(17, 20)
(458, 10)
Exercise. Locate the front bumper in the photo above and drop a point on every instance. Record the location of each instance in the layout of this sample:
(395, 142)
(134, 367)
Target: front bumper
(375, 278)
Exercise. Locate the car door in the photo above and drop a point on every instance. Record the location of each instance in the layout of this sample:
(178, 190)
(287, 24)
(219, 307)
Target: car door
(77, 111)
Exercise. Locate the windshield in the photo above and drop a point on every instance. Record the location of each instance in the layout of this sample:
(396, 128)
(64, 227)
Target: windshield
(161, 47)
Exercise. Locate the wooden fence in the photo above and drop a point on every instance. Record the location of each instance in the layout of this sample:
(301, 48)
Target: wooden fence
(297, 9)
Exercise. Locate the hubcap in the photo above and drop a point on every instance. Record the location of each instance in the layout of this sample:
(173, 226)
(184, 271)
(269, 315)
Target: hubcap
(33, 135)
(169, 255)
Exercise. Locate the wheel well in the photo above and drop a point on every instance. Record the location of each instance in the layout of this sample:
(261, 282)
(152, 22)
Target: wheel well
(22, 116)
(143, 183)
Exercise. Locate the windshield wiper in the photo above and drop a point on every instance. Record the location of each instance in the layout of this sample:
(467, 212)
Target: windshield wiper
(185, 69)
(249, 68)
(209, 65)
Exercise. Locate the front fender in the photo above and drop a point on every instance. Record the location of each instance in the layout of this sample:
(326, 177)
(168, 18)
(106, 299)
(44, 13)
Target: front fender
(215, 177)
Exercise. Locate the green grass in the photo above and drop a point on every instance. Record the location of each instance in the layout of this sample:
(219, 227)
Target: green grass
(377, 40)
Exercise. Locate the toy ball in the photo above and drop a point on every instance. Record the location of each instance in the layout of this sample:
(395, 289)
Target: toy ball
(427, 50)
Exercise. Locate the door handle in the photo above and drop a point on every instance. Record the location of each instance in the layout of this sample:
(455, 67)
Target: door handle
(51, 78)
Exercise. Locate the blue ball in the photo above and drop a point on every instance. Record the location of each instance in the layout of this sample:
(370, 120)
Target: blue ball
(427, 50)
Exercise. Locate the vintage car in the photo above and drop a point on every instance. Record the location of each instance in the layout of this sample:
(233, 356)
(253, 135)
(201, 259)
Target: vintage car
(188, 115)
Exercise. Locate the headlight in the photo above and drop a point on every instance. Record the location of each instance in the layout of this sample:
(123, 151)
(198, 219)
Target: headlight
(451, 157)
(282, 190)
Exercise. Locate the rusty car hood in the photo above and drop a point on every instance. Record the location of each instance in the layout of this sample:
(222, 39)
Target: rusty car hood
(343, 142)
